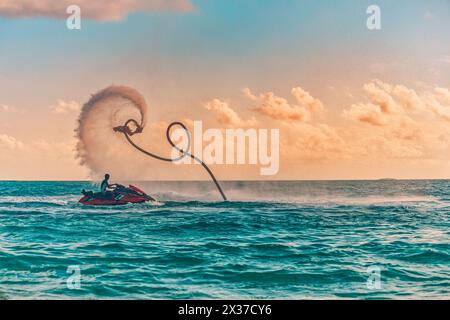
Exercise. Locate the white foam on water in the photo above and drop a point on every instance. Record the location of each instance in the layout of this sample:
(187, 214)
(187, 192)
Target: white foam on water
(61, 200)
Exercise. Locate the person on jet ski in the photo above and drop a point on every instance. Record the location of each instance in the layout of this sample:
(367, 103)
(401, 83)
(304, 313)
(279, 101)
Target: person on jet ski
(105, 186)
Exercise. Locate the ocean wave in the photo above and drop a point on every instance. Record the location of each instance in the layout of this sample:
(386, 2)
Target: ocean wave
(319, 244)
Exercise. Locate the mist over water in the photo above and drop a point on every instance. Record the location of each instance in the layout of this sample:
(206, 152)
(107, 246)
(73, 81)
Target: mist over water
(307, 239)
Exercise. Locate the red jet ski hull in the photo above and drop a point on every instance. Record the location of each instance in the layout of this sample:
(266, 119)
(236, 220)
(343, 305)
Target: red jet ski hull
(121, 197)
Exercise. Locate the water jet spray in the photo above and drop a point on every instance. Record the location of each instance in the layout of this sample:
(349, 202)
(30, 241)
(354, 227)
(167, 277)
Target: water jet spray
(99, 113)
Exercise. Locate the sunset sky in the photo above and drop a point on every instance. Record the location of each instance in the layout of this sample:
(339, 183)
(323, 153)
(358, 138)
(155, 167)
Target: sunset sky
(350, 103)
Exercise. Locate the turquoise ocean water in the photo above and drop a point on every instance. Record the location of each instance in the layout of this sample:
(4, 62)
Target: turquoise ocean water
(277, 240)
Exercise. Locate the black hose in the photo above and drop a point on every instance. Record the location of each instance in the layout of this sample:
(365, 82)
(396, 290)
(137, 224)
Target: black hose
(125, 129)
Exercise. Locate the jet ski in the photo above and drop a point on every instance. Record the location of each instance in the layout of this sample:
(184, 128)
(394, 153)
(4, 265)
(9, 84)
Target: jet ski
(119, 196)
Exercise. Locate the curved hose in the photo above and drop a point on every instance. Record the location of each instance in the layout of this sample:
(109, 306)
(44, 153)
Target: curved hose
(125, 129)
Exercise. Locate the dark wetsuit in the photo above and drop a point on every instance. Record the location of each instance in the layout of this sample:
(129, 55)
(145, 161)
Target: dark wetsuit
(104, 186)
(104, 189)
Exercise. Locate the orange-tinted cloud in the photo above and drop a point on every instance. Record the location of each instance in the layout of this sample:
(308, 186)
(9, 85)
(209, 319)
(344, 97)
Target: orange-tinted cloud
(305, 99)
(396, 104)
(439, 102)
(279, 108)
(5, 108)
(395, 127)
(366, 112)
(305, 142)
(9, 143)
(226, 115)
(63, 107)
(403, 124)
(301, 140)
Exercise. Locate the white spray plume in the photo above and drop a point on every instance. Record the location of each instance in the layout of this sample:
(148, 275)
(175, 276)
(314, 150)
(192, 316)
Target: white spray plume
(98, 146)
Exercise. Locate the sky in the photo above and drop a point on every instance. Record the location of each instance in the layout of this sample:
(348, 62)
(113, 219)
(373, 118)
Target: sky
(350, 103)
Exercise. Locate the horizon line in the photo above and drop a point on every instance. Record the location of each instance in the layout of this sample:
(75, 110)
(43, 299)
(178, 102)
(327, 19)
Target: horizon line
(248, 180)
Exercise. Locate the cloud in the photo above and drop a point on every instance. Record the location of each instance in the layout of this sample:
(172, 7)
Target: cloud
(38, 147)
(442, 95)
(301, 140)
(63, 107)
(304, 98)
(388, 104)
(439, 103)
(56, 149)
(249, 95)
(306, 142)
(368, 113)
(226, 115)
(404, 123)
(279, 108)
(378, 93)
(394, 149)
(5, 108)
(9, 109)
(111, 10)
(10, 143)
